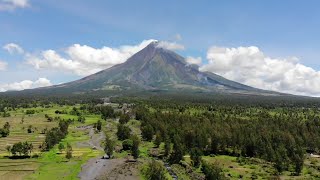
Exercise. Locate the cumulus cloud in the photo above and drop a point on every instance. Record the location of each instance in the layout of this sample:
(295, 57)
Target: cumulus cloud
(13, 48)
(26, 84)
(84, 60)
(194, 60)
(249, 65)
(10, 5)
(3, 65)
(170, 45)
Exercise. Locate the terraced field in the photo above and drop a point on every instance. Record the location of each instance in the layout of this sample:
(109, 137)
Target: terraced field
(17, 169)
(52, 164)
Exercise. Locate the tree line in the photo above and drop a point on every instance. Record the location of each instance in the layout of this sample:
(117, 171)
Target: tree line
(282, 137)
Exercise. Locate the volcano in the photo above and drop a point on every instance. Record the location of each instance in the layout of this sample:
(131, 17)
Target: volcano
(154, 69)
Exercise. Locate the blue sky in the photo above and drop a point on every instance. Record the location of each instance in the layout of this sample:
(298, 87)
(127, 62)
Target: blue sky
(280, 29)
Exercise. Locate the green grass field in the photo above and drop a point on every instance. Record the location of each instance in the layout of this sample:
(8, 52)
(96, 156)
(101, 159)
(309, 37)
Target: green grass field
(49, 165)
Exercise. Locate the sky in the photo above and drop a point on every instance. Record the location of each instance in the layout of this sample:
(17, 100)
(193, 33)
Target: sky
(270, 44)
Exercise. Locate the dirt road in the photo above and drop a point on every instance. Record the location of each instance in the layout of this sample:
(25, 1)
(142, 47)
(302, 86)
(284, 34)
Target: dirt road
(101, 169)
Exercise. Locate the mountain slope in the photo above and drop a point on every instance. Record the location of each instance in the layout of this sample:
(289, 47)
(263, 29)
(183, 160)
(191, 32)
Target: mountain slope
(155, 68)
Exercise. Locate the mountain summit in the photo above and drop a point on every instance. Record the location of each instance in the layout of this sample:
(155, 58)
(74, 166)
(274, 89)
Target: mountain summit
(155, 68)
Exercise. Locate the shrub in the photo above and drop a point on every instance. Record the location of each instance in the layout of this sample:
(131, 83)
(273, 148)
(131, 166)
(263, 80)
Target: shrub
(155, 171)
(127, 144)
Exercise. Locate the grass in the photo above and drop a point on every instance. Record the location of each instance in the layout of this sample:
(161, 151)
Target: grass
(52, 164)
(56, 166)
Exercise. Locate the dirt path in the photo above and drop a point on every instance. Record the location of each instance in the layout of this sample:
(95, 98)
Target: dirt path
(95, 139)
(94, 166)
(101, 169)
(121, 170)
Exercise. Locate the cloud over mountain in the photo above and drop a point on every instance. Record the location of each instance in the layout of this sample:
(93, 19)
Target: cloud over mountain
(194, 60)
(250, 66)
(84, 60)
(170, 45)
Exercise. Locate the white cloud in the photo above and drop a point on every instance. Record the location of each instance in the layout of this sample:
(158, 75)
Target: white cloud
(194, 60)
(10, 5)
(249, 65)
(26, 84)
(170, 45)
(84, 60)
(3, 65)
(13, 48)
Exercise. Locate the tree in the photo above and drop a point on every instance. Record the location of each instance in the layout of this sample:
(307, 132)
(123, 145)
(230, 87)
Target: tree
(61, 147)
(178, 151)
(280, 159)
(5, 131)
(135, 146)
(21, 148)
(54, 135)
(167, 147)
(107, 112)
(69, 151)
(123, 132)
(124, 118)
(109, 146)
(17, 149)
(27, 148)
(99, 125)
(298, 159)
(195, 155)
(158, 139)
(147, 132)
(63, 126)
(155, 171)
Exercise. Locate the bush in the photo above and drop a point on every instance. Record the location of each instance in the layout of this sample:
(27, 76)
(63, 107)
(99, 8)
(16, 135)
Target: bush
(155, 171)
(30, 111)
(81, 119)
(127, 144)
(212, 171)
